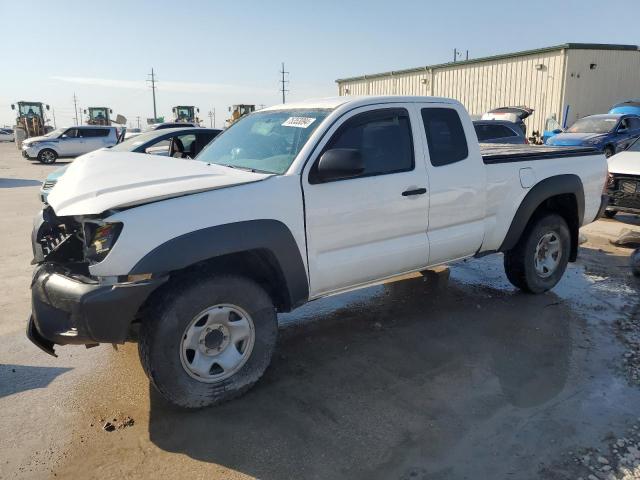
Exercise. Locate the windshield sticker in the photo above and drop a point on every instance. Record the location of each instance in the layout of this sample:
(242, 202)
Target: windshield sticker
(298, 122)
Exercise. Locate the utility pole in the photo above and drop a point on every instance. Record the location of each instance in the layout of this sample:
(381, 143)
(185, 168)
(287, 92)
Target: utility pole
(138, 120)
(153, 90)
(212, 117)
(53, 112)
(284, 83)
(75, 106)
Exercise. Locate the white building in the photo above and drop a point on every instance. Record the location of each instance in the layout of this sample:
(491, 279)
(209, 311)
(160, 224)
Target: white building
(576, 78)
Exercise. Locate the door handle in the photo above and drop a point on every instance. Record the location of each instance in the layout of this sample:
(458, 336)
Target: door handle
(417, 191)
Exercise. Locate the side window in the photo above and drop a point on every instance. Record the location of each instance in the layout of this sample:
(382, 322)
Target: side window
(101, 132)
(188, 143)
(483, 132)
(502, 132)
(383, 138)
(634, 123)
(71, 133)
(445, 136)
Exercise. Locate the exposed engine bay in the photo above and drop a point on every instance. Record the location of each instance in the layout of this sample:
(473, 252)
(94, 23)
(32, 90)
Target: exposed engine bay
(72, 242)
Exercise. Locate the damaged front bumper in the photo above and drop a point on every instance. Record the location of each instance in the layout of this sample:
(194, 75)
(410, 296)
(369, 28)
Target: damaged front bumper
(70, 309)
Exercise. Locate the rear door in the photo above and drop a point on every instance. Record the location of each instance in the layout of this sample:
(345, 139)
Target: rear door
(457, 182)
(373, 226)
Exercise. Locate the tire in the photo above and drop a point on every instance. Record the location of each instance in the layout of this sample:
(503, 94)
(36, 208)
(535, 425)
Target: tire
(47, 156)
(176, 313)
(609, 151)
(520, 262)
(610, 213)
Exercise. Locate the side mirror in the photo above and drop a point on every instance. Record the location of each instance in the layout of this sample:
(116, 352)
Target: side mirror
(110, 111)
(84, 111)
(198, 110)
(557, 131)
(47, 107)
(13, 107)
(339, 164)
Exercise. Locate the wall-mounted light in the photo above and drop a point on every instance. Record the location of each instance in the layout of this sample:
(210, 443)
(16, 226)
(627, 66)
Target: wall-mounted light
(541, 67)
(346, 91)
(593, 66)
(424, 81)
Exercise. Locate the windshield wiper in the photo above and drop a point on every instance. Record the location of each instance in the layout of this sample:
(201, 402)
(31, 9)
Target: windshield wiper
(246, 169)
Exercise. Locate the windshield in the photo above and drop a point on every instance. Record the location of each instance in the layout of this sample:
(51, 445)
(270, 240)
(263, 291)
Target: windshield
(97, 113)
(183, 113)
(593, 125)
(265, 141)
(30, 109)
(56, 133)
(130, 144)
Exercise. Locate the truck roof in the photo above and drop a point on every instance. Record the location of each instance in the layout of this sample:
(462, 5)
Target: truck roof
(357, 101)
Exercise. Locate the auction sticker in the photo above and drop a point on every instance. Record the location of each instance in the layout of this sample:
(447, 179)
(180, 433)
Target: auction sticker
(298, 122)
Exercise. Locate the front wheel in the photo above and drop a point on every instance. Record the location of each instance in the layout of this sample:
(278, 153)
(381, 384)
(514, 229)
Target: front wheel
(539, 259)
(47, 156)
(208, 341)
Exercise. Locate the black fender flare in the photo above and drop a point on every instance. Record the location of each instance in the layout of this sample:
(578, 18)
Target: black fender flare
(207, 243)
(537, 195)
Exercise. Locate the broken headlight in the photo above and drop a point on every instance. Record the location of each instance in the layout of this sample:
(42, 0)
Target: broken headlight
(100, 240)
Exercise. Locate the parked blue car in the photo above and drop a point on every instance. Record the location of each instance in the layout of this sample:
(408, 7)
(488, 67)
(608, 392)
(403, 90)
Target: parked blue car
(610, 133)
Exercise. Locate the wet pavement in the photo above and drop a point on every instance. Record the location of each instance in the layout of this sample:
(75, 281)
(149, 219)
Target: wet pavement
(412, 379)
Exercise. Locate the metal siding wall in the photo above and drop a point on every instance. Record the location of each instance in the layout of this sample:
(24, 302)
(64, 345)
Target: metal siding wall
(615, 78)
(482, 86)
(513, 81)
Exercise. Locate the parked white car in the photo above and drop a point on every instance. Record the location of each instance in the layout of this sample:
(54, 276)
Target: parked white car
(623, 186)
(290, 204)
(69, 142)
(6, 135)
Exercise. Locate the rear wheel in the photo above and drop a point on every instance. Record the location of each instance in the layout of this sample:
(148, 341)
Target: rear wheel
(539, 259)
(47, 156)
(208, 341)
(610, 213)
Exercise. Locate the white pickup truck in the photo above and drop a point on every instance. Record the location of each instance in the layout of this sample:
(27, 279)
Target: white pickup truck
(195, 258)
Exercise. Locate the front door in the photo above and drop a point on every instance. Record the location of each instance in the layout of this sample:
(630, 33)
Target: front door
(374, 225)
(70, 143)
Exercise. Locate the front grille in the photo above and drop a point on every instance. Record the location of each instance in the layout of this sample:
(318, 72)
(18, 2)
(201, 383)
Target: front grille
(625, 191)
(48, 185)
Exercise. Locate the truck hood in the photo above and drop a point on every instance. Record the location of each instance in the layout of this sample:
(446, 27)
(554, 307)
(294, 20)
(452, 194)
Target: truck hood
(105, 180)
(626, 163)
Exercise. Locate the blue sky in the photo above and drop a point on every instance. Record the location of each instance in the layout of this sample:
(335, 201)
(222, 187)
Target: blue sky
(214, 54)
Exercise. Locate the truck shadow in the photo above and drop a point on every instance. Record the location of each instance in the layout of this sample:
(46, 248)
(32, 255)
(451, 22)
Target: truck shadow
(18, 182)
(19, 378)
(401, 367)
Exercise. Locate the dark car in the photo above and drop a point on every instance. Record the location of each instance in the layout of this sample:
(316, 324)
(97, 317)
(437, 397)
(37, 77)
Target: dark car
(176, 142)
(610, 133)
(499, 131)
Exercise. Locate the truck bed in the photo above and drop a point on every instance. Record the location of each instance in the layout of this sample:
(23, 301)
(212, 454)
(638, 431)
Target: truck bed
(503, 153)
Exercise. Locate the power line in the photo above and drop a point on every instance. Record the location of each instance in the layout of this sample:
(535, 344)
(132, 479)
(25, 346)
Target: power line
(283, 82)
(75, 106)
(153, 90)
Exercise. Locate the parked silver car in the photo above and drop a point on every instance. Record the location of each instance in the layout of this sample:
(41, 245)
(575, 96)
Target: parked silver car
(70, 142)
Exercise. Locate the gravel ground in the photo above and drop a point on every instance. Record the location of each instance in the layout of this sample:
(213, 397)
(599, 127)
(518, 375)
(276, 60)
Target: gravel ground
(412, 379)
